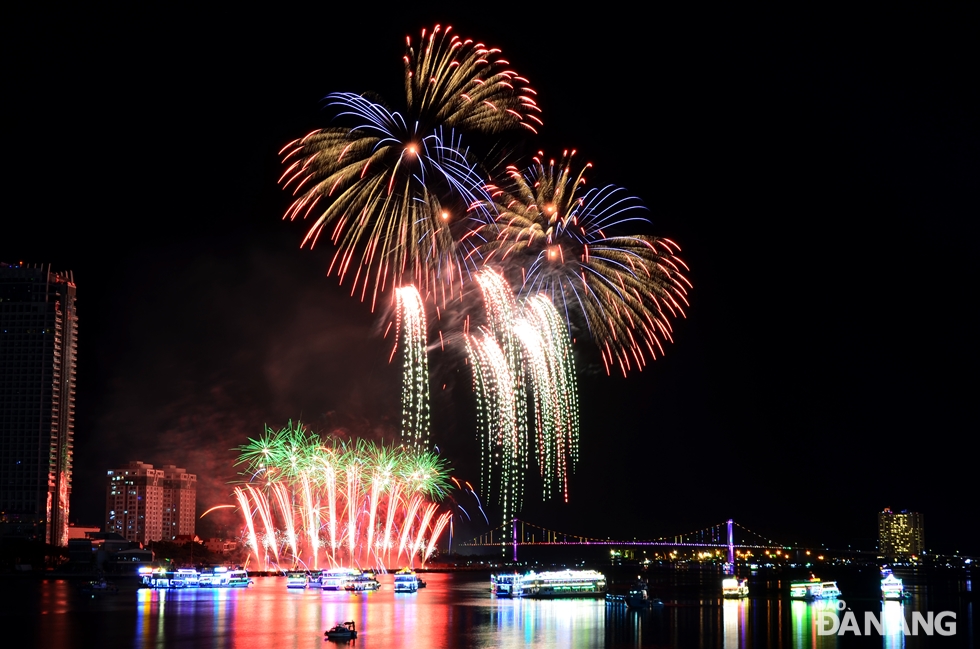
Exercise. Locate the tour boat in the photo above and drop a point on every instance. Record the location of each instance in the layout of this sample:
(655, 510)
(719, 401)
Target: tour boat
(239, 579)
(734, 588)
(337, 578)
(551, 584)
(506, 585)
(297, 580)
(362, 582)
(813, 588)
(406, 581)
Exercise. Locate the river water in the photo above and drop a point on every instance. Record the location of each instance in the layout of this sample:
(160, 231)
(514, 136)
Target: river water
(457, 610)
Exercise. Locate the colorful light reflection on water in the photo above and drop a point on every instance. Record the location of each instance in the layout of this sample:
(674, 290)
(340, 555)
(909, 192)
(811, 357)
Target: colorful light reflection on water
(456, 610)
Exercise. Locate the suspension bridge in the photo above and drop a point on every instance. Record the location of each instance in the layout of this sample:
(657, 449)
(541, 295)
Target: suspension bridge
(721, 535)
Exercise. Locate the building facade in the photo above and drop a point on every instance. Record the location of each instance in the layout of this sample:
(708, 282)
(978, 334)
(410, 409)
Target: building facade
(145, 504)
(38, 333)
(900, 534)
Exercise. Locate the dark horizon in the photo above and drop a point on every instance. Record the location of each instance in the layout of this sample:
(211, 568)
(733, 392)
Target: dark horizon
(819, 172)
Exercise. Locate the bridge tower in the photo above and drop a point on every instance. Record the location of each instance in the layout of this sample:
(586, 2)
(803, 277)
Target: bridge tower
(514, 524)
(731, 544)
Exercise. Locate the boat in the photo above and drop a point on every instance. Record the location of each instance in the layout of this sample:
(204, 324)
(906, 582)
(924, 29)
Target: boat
(406, 581)
(734, 588)
(363, 582)
(814, 589)
(239, 579)
(892, 587)
(550, 584)
(337, 578)
(162, 578)
(341, 631)
(506, 585)
(638, 599)
(99, 586)
(186, 578)
(215, 578)
(297, 580)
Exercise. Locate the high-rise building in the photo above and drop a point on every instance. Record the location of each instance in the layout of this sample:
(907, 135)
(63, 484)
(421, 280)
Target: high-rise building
(179, 502)
(900, 534)
(38, 331)
(144, 504)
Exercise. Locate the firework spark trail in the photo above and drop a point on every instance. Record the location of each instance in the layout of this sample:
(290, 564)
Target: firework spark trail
(523, 353)
(411, 336)
(497, 419)
(437, 529)
(549, 352)
(262, 506)
(501, 312)
(282, 499)
(253, 540)
(360, 484)
(312, 518)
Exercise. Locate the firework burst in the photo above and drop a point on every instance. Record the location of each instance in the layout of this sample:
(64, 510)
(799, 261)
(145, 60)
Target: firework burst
(466, 85)
(307, 502)
(563, 241)
(387, 189)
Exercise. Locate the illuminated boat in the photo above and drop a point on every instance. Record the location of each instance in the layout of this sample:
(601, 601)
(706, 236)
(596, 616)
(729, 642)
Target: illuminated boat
(406, 581)
(164, 578)
(553, 584)
(337, 578)
(363, 582)
(813, 589)
(238, 579)
(892, 587)
(187, 578)
(506, 585)
(734, 588)
(297, 580)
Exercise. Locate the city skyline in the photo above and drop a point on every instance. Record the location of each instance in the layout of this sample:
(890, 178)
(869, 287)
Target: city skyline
(820, 190)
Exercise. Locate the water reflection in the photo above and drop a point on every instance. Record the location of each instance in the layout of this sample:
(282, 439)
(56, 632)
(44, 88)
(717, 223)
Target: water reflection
(806, 621)
(734, 614)
(457, 610)
(892, 618)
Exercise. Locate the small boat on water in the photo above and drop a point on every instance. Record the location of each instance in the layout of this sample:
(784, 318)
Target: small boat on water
(341, 631)
(636, 597)
(892, 587)
(99, 586)
(734, 588)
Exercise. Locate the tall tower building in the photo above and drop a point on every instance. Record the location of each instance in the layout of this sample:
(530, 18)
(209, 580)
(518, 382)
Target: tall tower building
(900, 534)
(144, 504)
(38, 331)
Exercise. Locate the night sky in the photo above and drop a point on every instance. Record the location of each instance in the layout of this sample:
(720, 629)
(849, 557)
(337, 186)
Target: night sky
(819, 171)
